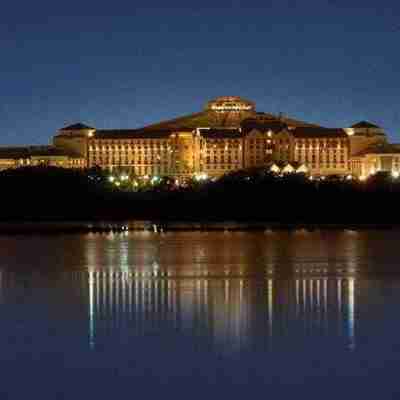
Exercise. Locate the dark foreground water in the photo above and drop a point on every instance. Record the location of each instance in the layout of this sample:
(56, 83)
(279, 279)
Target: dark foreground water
(201, 315)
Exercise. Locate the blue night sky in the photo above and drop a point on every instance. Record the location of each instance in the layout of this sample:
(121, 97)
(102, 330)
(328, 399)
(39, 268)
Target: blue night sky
(120, 64)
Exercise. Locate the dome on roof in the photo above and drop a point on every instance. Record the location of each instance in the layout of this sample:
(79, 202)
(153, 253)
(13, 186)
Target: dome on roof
(364, 124)
(365, 128)
(76, 127)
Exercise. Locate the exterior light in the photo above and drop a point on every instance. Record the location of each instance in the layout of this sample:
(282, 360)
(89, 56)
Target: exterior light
(118, 183)
(124, 177)
(90, 134)
(362, 178)
(311, 178)
(111, 178)
(201, 177)
(349, 177)
(395, 174)
(274, 168)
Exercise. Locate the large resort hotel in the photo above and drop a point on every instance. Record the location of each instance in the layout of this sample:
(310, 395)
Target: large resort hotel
(229, 134)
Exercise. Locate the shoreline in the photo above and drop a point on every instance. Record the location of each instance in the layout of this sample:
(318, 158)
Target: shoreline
(158, 227)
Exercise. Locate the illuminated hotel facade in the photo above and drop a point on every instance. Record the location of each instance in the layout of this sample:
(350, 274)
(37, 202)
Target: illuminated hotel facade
(228, 135)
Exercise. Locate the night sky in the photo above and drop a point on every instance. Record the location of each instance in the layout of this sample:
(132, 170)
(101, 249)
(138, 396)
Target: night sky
(124, 64)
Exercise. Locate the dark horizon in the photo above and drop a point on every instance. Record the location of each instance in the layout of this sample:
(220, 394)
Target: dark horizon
(129, 65)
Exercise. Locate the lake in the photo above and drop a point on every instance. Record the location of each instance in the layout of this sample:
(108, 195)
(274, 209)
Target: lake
(277, 314)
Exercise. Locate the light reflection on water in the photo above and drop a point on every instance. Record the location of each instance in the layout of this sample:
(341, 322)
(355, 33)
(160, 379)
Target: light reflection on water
(222, 307)
(224, 310)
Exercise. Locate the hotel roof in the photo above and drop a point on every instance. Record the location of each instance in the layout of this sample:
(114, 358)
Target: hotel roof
(263, 125)
(211, 119)
(35, 151)
(215, 133)
(225, 118)
(380, 148)
(311, 132)
(132, 134)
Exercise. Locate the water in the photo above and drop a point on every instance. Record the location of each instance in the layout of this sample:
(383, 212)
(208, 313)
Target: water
(190, 315)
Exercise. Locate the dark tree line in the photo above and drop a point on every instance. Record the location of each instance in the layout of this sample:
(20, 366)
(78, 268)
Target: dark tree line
(47, 193)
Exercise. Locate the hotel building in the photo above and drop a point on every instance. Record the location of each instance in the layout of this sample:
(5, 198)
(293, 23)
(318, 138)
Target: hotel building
(229, 134)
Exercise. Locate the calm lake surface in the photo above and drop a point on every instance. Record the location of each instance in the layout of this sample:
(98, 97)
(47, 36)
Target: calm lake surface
(201, 315)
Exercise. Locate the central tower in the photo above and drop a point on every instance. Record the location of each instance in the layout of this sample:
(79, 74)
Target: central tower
(227, 104)
(229, 111)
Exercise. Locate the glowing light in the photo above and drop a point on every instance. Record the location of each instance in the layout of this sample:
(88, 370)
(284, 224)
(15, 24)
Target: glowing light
(288, 169)
(349, 177)
(395, 174)
(270, 305)
(274, 168)
(90, 134)
(91, 311)
(362, 178)
(111, 179)
(201, 177)
(118, 183)
(155, 179)
(124, 177)
(303, 169)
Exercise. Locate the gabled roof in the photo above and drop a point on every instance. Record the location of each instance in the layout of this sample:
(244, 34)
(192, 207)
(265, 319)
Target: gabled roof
(76, 127)
(311, 133)
(364, 124)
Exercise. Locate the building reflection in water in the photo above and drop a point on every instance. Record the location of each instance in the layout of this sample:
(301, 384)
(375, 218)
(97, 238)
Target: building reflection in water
(228, 312)
(228, 289)
(350, 303)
